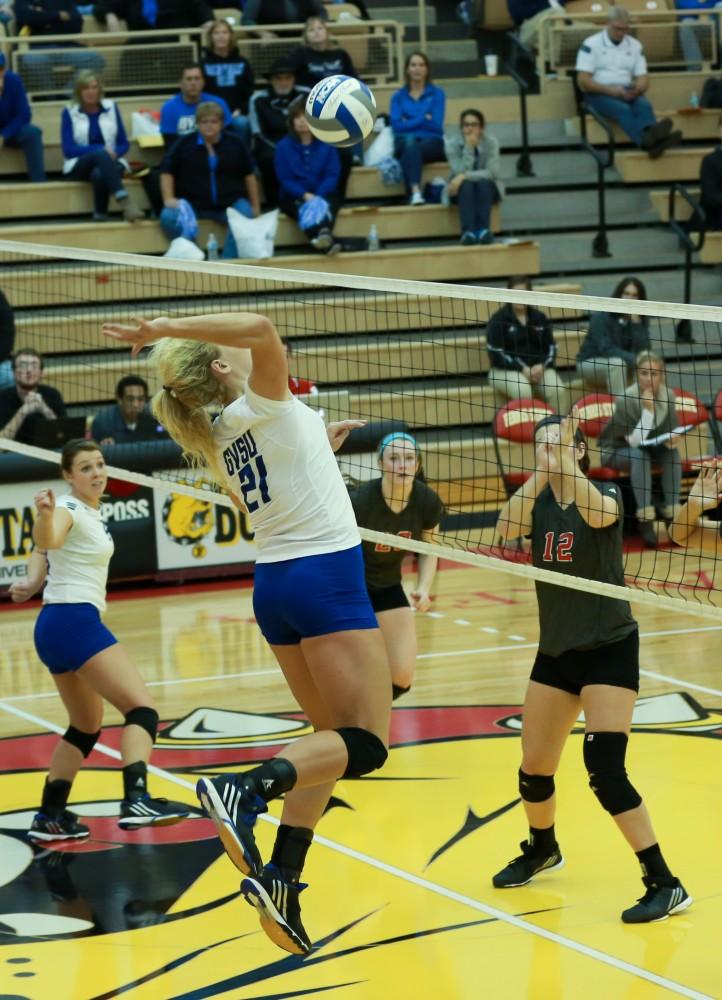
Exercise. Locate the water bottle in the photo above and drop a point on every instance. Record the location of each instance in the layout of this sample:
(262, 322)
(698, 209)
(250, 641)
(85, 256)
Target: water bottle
(212, 247)
(373, 240)
(694, 100)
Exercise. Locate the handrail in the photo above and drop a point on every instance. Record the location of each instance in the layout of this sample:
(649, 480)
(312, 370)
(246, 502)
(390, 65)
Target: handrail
(698, 223)
(523, 163)
(604, 161)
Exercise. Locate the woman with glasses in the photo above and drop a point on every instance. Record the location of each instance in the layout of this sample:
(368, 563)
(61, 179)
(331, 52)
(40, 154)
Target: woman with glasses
(475, 169)
(609, 351)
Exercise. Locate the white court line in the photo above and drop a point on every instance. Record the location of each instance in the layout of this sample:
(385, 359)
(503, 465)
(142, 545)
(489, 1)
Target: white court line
(422, 883)
(677, 680)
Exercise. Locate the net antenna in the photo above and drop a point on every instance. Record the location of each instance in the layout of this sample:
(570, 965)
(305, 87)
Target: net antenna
(401, 354)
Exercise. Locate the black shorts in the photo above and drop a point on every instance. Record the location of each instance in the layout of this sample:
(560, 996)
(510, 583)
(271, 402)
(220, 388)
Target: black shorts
(616, 663)
(388, 598)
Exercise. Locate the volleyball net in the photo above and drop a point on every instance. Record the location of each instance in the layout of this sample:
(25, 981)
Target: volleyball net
(403, 355)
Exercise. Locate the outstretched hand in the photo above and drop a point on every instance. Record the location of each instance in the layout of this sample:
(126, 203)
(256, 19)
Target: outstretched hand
(338, 432)
(707, 487)
(138, 336)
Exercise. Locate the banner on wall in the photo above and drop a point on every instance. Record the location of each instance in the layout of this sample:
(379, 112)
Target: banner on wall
(194, 533)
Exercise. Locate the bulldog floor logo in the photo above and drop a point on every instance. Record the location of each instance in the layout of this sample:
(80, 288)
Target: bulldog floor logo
(155, 914)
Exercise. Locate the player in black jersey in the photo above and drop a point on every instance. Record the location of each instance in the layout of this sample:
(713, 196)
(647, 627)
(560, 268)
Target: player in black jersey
(587, 661)
(399, 503)
(690, 528)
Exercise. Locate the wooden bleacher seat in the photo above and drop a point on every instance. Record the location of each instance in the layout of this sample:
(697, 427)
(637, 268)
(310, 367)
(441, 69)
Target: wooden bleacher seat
(660, 203)
(711, 252)
(675, 165)
(700, 124)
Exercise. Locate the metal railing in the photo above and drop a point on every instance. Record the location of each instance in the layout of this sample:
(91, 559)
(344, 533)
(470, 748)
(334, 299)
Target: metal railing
(604, 160)
(517, 51)
(697, 222)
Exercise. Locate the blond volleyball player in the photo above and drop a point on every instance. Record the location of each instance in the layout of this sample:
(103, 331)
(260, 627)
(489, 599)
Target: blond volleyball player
(309, 598)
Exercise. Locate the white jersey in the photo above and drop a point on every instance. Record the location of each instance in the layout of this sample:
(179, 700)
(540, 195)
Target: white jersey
(278, 460)
(78, 570)
(611, 65)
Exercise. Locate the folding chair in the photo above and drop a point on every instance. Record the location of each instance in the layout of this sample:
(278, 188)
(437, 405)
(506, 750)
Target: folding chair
(595, 411)
(514, 424)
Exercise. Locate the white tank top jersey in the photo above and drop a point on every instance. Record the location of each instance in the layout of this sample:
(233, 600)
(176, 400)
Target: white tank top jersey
(278, 460)
(78, 570)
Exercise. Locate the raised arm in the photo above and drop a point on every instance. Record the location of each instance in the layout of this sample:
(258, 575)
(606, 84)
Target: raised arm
(690, 528)
(52, 524)
(515, 516)
(598, 509)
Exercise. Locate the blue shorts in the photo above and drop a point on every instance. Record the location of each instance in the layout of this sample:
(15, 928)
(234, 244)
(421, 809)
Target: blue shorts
(67, 635)
(315, 595)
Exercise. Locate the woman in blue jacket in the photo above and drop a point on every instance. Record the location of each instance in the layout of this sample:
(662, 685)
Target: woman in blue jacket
(417, 118)
(309, 174)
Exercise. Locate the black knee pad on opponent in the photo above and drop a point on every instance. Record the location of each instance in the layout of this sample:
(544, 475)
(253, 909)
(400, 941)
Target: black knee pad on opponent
(535, 787)
(146, 718)
(81, 741)
(365, 751)
(604, 755)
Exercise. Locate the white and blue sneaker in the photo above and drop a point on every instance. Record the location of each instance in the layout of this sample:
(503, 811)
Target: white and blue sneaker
(234, 813)
(278, 909)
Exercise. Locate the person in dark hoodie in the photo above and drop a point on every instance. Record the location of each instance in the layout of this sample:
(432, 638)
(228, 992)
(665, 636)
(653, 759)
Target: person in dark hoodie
(710, 177)
(609, 351)
(268, 112)
(229, 75)
(16, 128)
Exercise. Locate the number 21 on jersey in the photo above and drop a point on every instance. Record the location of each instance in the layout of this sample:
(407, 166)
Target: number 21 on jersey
(558, 549)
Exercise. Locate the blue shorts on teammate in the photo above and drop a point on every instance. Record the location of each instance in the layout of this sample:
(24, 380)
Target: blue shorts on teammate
(303, 598)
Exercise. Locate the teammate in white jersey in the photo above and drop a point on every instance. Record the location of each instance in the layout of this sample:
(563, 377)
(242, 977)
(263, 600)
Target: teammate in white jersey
(310, 598)
(85, 660)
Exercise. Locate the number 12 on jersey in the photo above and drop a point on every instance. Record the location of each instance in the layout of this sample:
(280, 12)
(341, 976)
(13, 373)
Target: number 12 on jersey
(564, 544)
(252, 477)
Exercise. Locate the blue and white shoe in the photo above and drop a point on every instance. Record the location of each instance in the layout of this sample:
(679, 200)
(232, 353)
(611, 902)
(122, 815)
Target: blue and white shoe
(63, 826)
(278, 909)
(234, 814)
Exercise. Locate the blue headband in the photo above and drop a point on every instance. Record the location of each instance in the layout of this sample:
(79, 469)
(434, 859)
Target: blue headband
(394, 436)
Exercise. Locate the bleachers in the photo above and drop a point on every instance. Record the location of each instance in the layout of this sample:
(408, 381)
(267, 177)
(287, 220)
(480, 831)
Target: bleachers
(676, 165)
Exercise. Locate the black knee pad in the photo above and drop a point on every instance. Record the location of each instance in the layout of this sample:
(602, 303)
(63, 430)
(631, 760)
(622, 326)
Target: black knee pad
(535, 787)
(365, 751)
(397, 690)
(81, 741)
(146, 718)
(604, 755)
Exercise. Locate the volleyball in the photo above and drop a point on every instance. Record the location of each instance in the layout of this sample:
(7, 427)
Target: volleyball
(340, 110)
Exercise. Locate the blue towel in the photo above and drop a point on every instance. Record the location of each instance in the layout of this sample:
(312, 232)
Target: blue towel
(313, 213)
(187, 220)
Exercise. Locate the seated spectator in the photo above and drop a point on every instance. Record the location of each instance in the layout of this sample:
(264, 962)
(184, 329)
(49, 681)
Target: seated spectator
(644, 411)
(298, 386)
(475, 170)
(178, 114)
(128, 419)
(268, 112)
(212, 171)
(144, 15)
(94, 145)
(280, 11)
(229, 75)
(308, 172)
(7, 342)
(25, 405)
(710, 176)
(51, 17)
(417, 119)
(16, 130)
(522, 350)
(608, 353)
(528, 16)
(612, 73)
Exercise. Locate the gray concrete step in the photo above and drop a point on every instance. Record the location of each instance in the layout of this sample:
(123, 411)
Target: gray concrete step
(570, 253)
(541, 213)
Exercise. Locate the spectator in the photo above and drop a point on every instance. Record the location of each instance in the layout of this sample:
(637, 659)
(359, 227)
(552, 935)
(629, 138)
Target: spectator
(51, 17)
(280, 11)
(710, 176)
(613, 342)
(229, 75)
(144, 15)
(7, 342)
(298, 386)
(528, 16)
(643, 412)
(417, 118)
(16, 129)
(612, 73)
(128, 419)
(94, 144)
(308, 172)
(25, 405)
(475, 169)
(212, 171)
(522, 350)
(178, 114)
(317, 57)
(268, 112)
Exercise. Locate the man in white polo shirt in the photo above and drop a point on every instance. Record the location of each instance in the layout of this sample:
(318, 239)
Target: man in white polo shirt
(612, 73)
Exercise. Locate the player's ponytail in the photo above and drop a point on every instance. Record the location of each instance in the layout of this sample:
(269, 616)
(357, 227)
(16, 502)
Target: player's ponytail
(189, 386)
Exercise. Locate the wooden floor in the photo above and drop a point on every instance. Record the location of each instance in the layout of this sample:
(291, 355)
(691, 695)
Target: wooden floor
(400, 903)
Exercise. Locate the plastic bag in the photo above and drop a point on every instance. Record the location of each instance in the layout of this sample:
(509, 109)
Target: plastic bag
(382, 148)
(254, 237)
(313, 213)
(144, 123)
(434, 191)
(183, 249)
(187, 220)
(390, 170)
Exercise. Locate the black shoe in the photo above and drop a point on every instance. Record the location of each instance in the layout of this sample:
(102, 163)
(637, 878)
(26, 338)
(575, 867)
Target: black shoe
(656, 133)
(648, 535)
(673, 139)
(234, 814)
(278, 909)
(65, 826)
(146, 811)
(523, 869)
(658, 902)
